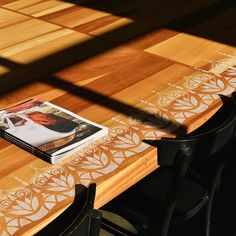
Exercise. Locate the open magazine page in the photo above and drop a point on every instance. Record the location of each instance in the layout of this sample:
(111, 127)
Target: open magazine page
(47, 127)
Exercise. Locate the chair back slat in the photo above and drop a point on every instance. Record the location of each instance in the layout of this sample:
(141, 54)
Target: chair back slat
(180, 152)
(79, 218)
(204, 145)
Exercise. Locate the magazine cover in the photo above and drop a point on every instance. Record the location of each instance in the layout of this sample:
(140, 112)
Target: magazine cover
(47, 128)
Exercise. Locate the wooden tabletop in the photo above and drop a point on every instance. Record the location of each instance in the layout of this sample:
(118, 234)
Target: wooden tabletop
(143, 69)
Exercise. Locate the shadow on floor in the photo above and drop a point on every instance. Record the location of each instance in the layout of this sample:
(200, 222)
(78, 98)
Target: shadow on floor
(224, 215)
(224, 209)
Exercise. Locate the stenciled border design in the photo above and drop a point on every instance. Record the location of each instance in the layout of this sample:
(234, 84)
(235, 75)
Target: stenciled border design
(31, 201)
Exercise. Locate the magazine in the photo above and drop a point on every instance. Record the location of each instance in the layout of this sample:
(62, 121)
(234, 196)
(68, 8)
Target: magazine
(46, 130)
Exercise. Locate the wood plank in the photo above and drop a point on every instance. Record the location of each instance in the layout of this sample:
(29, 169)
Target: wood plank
(75, 16)
(151, 38)
(135, 19)
(10, 18)
(43, 45)
(14, 155)
(6, 1)
(44, 7)
(33, 6)
(187, 47)
(115, 76)
(48, 47)
(23, 31)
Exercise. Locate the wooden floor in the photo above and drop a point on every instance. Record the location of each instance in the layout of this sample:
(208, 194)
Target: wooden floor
(106, 53)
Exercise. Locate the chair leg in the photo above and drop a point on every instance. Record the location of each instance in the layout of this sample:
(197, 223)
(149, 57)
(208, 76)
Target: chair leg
(115, 229)
(96, 219)
(212, 191)
(208, 217)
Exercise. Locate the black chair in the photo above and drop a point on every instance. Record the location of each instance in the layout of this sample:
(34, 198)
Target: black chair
(80, 218)
(183, 185)
(212, 170)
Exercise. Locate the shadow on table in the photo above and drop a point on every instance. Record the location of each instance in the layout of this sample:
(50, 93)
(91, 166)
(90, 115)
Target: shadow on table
(211, 19)
(146, 16)
(143, 116)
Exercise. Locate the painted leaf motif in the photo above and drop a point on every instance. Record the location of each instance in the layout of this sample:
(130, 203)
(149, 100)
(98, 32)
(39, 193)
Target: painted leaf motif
(231, 71)
(92, 160)
(212, 86)
(135, 138)
(185, 103)
(57, 189)
(70, 180)
(232, 82)
(118, 154)
(13, 223)
(125, 139)
(22, 205)
(193, 81)
(208, 98)
(123, 146)
(168, 98)
(99, 160)
(35, 203)
(128, 153)
(104, 158)
(95, 163)
(90, 166)
(24, 222)
(25, 208)
(4, 233)
(11, 230)
(96, 175)
(58, 182)
(61, 183)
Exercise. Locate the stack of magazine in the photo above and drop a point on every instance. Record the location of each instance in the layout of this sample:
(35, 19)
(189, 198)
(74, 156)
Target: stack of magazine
(46, 130)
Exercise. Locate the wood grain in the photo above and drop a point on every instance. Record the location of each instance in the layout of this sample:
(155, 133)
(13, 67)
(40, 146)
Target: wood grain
(163, 80)
(185, 49)
(8, 18)
(23, 32)
(35, 6)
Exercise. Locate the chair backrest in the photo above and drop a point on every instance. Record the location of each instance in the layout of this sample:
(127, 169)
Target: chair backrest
(206, 144)
(180, 152)
(80, 218)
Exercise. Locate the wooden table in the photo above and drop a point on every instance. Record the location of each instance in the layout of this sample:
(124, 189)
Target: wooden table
(121, 65)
